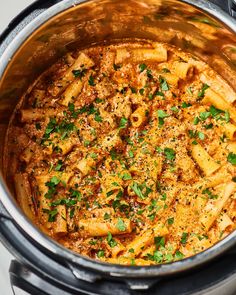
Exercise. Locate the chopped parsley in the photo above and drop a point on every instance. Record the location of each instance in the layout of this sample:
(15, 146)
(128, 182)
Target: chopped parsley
(170, 221)
(123, 123)
(165, 70)
(133, 89)
(161, 116)
(97, 117)
(208, 126)
(107, 216)
(174, 109)
(93, 156)
(184, 238)
(209, 193)
(52, 184)
(141, 91)
(142, 67)
(121, 225)
(79, 73)
(231, 158)
(75, 194)
(37, 126)
(201, 93)
(126, 176)
(131, 154)
(141, 190)
(149, 74)
(186, 105)
(159, 241)
(178, 255)
(91, 81)
(163, 83)
(58, 166)
(201, 135)
(100, 253)
(51, 214)
(204, 115)
(169, 154)
(196, 121)
(111, 242)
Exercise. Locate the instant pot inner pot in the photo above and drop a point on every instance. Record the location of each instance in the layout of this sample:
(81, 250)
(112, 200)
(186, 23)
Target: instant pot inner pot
(106, 21)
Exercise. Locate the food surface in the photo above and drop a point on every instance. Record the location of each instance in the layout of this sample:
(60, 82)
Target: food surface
(126, 153)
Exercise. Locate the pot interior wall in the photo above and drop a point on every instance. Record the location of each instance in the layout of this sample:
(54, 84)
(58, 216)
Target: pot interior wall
(97, 21)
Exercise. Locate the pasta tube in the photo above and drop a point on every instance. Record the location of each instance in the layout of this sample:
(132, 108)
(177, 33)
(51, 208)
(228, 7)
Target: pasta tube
(204, 160)
(138, 117)
(230, 131)
(213, 209)
(140, 243)
(81, 63)
(23, 193)
(96, 227)
(60, 226)
(218, 102)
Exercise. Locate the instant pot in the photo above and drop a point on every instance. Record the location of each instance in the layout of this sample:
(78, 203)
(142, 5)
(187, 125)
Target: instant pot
(34, 40)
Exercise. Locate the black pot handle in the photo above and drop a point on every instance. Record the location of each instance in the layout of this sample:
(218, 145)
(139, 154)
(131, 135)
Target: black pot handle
(228, 6)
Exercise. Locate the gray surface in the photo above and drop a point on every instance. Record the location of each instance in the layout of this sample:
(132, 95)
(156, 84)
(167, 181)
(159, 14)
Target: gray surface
(8, 9)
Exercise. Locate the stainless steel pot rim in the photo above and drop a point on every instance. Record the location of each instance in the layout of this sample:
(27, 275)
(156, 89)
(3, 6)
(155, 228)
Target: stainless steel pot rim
(66, 254)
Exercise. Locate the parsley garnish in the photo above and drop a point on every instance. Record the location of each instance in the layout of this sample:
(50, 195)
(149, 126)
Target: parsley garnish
(196, 121)
(149, 74)
(161, 116)
(174, 109)
(204, 115)
(91, 81)
(178, 255)
(133, 89)
(209, 193)
(141, 190)
(170, 221)
(163, 83)
(107, 216)
(100, 253)
(141, 91)
(126, 176)
(201, 93)
(51, 187)
(51, 214)
(186, 105)
(184, 238)
(231, 158)
(169, 154)
(121, 225)
(59, 165)
(97, 117)
(142, 67)
(38, 126)
(79, 73)
(159, 241)
(123, 123)
(111, 242)
(201, 135)
(165, 70)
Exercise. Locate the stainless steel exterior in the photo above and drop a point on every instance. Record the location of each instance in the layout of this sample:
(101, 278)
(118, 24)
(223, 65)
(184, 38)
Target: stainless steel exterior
(71, 24)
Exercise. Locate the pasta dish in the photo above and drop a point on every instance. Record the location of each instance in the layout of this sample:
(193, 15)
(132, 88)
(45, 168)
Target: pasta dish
(126, 153)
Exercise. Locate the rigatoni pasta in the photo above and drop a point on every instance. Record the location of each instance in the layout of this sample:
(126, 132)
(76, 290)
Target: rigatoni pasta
(127, 153)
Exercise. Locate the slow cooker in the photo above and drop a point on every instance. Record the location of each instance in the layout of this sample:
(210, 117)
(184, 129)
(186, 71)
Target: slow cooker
(34, 40)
